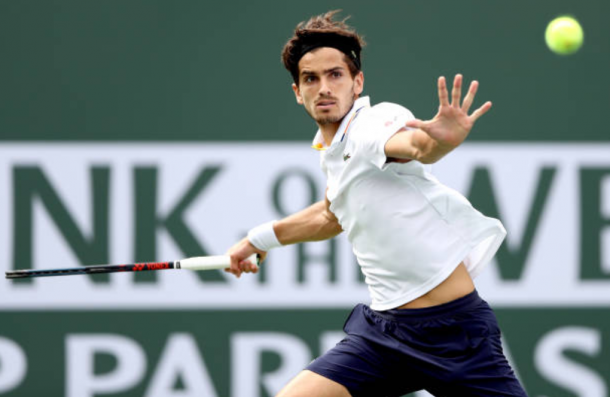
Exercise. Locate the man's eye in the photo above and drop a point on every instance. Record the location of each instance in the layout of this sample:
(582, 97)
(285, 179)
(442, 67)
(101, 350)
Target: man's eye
(309, 79)
(336, 74)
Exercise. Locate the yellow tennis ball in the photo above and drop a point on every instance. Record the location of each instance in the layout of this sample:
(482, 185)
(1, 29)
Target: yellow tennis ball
(564, 35)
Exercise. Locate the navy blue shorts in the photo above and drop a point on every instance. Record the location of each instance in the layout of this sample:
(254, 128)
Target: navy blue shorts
(452, 349)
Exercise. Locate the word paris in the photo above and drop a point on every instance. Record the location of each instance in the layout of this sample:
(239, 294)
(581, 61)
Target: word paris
(84, 204)
(182, 359)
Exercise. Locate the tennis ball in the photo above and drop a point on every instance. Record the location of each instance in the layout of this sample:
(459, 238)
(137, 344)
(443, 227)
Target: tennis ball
(564, 35)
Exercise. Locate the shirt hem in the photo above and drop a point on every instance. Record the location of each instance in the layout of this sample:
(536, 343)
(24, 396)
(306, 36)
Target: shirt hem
(497, 234)
(426, 287)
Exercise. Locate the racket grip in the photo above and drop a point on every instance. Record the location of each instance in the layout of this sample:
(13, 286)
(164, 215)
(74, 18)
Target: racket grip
(211, 262)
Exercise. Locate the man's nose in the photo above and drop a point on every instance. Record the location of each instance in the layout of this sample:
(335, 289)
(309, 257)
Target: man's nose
(324, 88)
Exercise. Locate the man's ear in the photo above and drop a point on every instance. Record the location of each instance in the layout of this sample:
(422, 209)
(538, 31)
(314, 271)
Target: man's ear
(297, 93)
(358, 84)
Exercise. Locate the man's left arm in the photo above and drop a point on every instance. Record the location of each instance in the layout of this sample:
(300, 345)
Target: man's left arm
(429, 141)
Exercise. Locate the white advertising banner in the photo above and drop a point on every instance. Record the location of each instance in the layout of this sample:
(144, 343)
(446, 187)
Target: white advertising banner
(550, 197)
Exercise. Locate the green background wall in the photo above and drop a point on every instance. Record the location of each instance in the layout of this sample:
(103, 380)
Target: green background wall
(197, 70)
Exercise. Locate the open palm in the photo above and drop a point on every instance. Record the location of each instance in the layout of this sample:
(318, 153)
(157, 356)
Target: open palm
(452, 124)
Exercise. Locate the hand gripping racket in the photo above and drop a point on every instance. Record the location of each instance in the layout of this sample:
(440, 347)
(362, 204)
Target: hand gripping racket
(195, 263)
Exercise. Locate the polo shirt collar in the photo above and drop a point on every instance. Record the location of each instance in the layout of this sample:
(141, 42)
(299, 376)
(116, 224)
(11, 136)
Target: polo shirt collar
(318, 141)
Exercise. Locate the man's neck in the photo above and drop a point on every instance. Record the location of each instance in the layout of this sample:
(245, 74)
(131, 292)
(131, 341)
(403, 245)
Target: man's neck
(328, 131)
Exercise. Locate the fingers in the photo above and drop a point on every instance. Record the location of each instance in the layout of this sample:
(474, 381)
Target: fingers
(472, 91)
(235, 268)
(456, 92)
(480, 111)
(443, 95)
(239, 267)
(248, 267)
(238, 254)
(415, 123)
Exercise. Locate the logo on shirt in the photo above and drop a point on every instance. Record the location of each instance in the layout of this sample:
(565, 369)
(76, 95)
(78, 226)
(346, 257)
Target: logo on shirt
(346, 156)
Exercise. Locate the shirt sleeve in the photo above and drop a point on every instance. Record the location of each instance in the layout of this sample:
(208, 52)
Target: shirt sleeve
(377, 127)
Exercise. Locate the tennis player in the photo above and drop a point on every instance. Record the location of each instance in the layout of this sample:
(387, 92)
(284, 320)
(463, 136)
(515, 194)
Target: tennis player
(418, 243)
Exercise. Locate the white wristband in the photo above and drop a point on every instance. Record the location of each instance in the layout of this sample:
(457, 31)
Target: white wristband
(263, 237)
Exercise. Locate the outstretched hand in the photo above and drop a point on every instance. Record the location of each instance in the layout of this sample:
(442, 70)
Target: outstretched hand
(452, 124)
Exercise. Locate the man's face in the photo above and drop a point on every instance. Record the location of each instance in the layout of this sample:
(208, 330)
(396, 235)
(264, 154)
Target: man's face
(326, 87)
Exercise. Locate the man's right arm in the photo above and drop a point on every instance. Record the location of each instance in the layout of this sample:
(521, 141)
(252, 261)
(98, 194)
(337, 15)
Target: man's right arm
(314, 223)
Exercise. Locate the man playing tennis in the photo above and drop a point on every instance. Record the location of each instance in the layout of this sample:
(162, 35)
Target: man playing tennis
(418, 243)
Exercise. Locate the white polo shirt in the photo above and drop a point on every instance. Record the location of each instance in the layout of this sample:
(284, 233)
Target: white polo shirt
(408, 231)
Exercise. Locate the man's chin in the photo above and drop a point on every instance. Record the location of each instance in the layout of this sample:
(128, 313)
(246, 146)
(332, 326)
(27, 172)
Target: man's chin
(328, 120)
(327, 117)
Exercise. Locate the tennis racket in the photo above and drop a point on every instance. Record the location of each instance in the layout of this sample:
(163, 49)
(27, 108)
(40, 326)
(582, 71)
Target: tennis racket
(194, 263)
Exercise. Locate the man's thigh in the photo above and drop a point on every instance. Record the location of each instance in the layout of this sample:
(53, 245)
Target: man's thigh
(310, 384)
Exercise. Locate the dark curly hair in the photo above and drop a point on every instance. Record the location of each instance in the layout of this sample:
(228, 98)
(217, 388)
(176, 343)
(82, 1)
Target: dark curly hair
(323, 29)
